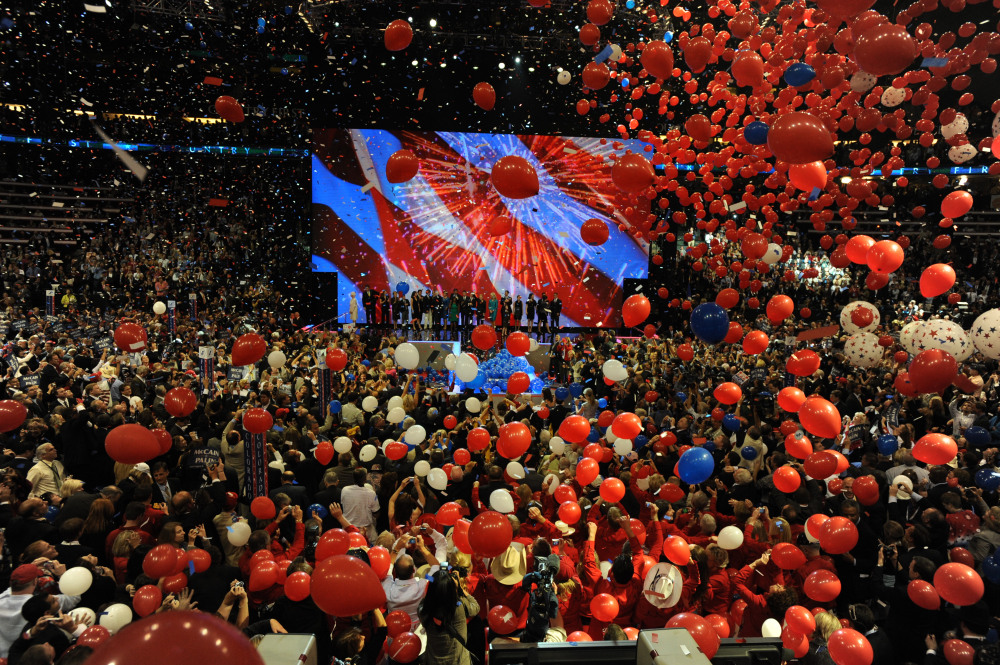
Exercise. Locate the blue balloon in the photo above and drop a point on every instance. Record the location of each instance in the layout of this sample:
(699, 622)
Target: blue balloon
(799, 74)
(988, 479)
(288, 10)
(562, 392)
(731, 422)
(402, 287)
(624, 83)
(576, 389)
(749, 453)
(639, 441)
(335, 407)
(51, 513)
(978, 437)
(366, 362)
(188, 25)
(710, 323)
(594, 435)
(695, 466)
(709, 446)
(318, 509)
(668, 36)
(887, 444)
(756, 133)
(630, 4)
(681, 397)
(991, 569)
(260, 29)
(478, 382)
(261, 21)
(603, 403)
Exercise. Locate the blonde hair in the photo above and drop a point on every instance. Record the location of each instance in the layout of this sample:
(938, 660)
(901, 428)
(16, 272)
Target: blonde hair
(720, 555)
(70, 486)
(123, 544)
(779, 531)
(827, 624)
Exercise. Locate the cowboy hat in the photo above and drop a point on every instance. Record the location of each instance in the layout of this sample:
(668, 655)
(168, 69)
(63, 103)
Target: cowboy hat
(510, 567)
(565, 529)
(662, 586)
(903, 493)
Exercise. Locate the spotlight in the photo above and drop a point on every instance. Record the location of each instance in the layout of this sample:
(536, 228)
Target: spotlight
(434, 23)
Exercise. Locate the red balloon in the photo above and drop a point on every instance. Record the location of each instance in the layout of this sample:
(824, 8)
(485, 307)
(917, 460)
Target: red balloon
(336, 359)
(604, 607)
(626, 426)
(808, 177)
(787, 556)
(821, 464)
(257, 420)
(885, 49)
(797, 643)
(849, 647)
(857, 248)
(460, 536)
(755, 342)
(790, 399)
(748, 68)
(579, 636)
(839, 535)
(251, 347)
(958, 584)
(728, 393)
(923, 594)
(396, 450)
(518, 383)
(177, 636)
(958, 652)
(490, 534)
(727, 298)
(697, 53)
(932, 371)
(820, 417)
(698, 127)
(700, 629)
(884, 257)
(131, 444)
(865, 488)
(229, 109)
(956, 204)
(569, 512)
(719, 623)
(339, 572)
(159, 561)
(513, 440)
(502, 620)
(398, 622)
(484, 336)
(201, 559)
(401, 166)
(405, 648)
(93, 636)
(779, 308)
(658, 59)
(936, 279)
(685, 352)
(801, 620)
(612, 490)
(822, 586)
(324, 452)
(484, 95)
(518, 344)
(574, 429)
(477, 440)
(130, 337)
(786, 479)
(12, 415)
(635, 309)
(799, 138)
(180, 402)
(595, 75)
(564, 493)
(803, 362)
(632, 173)
(586, 471)
(263, 576)
(594, 232)
(331, 543)
(450, 422)
(514, 177)
(263, 508)
(147, 600)
(398, 35)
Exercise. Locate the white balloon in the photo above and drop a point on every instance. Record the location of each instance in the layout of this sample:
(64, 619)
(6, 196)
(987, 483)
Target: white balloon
(563, 77)
(437, 479)
(342, 444)
(532, 345)
(368, 452)
(239, 534)
(84, 615)
(449, 362)
(407, 356)
(396, 415)
(985, 333)
(501, 501)
(75, 581)
(276, 359)
(960, 154)
(616, 53)
(995, 127)
(369, 403)
(623, 447)
(862, 81)
(614, 370)
(863, 350)
(944, 335)
(557, 445)
(771, 628)
(466, 367)
(515, 470)
(730, 538)
(893, 96)
(609, 436)
(908, 335)
(159, 308)
(422, 468)
(116, 617)
(415, 435)
(849, 326)
(957, 126)
(395, 402)
(473, 405)
(773, 254)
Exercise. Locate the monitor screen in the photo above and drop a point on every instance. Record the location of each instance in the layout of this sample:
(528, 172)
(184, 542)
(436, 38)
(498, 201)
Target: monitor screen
(436, 231)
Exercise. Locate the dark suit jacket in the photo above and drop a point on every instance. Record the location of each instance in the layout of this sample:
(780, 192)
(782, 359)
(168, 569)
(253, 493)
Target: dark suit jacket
(77, 505)
(297, 493)
(22, 533)
(69, 554)
(175, 486)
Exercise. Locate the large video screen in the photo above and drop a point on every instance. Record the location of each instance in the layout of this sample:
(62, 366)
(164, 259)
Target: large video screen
(434, 231)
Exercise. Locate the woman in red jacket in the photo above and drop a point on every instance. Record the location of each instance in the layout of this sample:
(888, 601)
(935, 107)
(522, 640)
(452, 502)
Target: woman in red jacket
(624, 584)
(718, 593)
(761, 607)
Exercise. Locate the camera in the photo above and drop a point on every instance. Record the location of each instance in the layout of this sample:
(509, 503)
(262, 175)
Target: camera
(238, 583)
(543, 604)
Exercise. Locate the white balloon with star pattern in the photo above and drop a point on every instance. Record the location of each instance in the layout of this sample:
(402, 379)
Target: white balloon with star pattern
(907, 334)
(985, 333)
(944, 335)
(849, 326)
(863, 350)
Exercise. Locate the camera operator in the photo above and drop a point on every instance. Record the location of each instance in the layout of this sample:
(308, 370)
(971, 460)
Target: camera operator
(545, 623)
(443, 613)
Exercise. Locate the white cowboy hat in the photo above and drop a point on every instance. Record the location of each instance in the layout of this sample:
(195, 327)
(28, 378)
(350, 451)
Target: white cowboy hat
(903, 493)
(663, 585)
(565, 529)
(510, 567)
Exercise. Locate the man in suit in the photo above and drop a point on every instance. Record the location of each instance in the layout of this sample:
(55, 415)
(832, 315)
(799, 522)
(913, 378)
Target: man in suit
(164, 487)
(863, 620)
(30, 525)
(297, 493)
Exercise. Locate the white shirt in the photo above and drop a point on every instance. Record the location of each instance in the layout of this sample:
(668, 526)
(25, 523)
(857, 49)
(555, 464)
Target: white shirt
(11, 621)
(405, 595)
(358, 504)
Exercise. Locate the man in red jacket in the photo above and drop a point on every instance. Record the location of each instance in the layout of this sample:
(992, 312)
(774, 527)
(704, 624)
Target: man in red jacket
(624, 583)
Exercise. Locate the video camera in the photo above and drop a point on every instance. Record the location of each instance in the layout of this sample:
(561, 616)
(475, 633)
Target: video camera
(543, 604)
